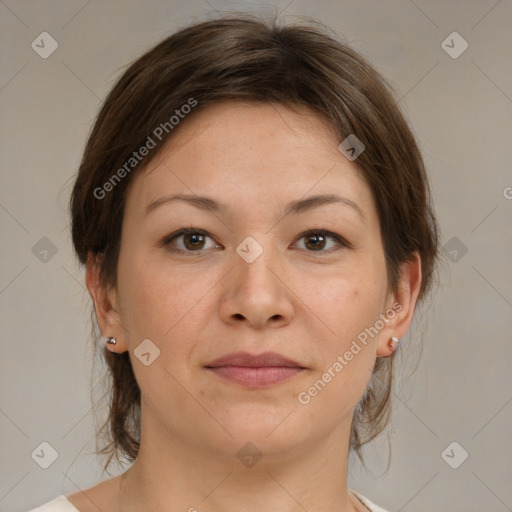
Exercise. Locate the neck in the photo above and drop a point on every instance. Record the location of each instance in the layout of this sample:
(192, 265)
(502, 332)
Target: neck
(173, 474)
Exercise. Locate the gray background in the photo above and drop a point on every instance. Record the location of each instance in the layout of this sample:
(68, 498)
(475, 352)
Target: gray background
(460, 109)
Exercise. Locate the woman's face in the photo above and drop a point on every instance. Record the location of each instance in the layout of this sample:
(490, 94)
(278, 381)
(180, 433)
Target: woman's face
(250, 280)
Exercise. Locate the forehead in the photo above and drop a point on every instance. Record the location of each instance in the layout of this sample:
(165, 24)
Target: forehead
(235, 132)
(250, 153)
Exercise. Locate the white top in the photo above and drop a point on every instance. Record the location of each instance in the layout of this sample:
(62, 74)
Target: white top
(62, 504)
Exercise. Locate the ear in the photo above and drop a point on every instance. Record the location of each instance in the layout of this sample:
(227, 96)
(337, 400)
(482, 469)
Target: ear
(105, 304)
(400, 306)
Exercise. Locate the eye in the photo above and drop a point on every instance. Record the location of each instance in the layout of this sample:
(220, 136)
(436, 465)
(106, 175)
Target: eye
(189, 240)
(192, 239)
(317, 241)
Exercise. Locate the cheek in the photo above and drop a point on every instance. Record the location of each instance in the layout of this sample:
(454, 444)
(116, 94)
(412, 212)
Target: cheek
(162, 300)
(169, 308)
(350, 304)
(350, 308)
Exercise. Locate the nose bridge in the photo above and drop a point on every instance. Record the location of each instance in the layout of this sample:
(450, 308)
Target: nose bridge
(254, 266)
(256, 293)
(257, 270)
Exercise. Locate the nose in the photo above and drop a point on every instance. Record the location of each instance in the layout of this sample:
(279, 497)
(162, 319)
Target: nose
(257, 294)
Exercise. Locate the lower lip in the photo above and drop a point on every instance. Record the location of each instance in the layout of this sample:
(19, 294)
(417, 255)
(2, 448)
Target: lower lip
(259, 377)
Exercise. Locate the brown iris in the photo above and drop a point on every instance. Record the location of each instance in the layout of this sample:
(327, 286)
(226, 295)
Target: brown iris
(316, 245)
(193, 240)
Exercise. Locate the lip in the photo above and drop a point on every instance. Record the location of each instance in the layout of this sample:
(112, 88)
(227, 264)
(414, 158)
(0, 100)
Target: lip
(251, 377)
(255, 371)
(267, 359)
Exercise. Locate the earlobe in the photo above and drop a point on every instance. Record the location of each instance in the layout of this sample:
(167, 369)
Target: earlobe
(403, 304)
(105, 305)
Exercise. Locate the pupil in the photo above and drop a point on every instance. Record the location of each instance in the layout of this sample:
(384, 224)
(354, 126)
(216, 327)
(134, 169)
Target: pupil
(193, 240)
(317, 237)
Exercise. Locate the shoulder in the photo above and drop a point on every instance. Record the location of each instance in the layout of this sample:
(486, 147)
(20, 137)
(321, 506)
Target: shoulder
(102, 496)
(367, 502)
(59, 504)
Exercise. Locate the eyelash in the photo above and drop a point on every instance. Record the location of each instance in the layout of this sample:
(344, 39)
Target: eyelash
(166, 242)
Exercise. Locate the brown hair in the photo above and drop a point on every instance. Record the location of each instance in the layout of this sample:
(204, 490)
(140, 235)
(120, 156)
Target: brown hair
(242, 57)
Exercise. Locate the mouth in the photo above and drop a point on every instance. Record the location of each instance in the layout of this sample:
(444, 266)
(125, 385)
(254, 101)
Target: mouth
(255, 371)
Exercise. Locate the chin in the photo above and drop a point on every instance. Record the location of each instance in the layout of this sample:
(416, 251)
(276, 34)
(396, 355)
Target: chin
(269, 428)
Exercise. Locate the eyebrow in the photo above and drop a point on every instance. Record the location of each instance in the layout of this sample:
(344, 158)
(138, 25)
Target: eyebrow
(295, 207)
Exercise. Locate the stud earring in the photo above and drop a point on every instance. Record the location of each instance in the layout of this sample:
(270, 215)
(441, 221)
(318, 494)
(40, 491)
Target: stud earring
(393, 342)
(111, 340)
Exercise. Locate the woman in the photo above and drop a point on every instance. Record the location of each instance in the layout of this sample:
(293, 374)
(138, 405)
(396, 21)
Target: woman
(254, 217)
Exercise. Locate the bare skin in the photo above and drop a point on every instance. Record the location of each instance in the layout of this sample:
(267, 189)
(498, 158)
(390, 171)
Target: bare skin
(104, 497)
(306, 301)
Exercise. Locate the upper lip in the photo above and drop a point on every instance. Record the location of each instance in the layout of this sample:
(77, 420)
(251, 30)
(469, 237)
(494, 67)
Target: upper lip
(253, 360)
